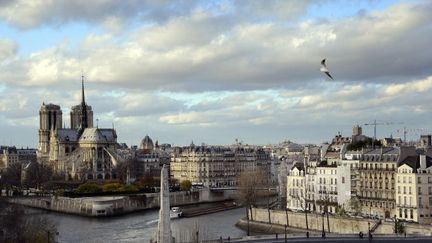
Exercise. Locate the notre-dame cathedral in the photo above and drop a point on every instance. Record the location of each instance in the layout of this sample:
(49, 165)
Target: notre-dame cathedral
(81, 152)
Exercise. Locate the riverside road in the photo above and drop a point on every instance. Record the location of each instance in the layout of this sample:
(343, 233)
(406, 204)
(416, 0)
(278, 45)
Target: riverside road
(340, 239)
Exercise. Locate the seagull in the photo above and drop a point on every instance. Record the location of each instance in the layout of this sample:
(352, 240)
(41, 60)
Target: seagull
(324, 68)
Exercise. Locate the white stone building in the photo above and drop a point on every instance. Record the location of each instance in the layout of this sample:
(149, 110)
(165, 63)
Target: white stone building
(296, 190)
(217, 166)
(414, 189)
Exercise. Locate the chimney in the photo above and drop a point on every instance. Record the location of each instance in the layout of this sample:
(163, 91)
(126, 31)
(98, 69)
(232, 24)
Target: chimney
(422, 162)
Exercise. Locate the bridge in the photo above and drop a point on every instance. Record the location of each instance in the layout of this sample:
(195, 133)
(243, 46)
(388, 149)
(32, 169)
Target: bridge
(215, 189)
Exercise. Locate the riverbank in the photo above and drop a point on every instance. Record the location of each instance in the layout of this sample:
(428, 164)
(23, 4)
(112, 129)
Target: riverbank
(272, 221)
(119, 205)
(207, 208)
(258, 228)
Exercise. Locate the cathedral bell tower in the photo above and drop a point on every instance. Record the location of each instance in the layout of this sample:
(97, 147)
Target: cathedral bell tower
(50, 119)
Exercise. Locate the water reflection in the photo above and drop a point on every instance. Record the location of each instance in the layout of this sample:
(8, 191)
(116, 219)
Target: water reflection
(140, 227)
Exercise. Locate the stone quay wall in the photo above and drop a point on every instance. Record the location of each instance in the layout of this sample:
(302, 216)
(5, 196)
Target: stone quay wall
(341, 225)
(117, 205)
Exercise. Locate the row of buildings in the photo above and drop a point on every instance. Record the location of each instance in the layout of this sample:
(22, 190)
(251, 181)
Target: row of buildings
(84, 152)
(10, 156)
(384, 182)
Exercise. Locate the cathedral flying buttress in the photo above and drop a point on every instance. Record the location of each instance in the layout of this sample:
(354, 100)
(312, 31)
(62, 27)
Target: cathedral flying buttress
(81, 152)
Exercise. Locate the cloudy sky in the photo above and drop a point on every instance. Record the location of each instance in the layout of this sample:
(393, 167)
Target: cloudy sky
(214, 71)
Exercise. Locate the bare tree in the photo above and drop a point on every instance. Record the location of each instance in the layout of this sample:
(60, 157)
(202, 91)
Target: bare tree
(250, 182)
(11, 177)
(303, 206)
(355, 206)
(17, 226)
(326, 202)
(35, 174)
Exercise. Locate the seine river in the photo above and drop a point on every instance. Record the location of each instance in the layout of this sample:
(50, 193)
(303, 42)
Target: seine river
(141, 227)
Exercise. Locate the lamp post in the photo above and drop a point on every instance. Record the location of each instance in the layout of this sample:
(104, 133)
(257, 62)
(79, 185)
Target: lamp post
(323, 232)
(369, 232)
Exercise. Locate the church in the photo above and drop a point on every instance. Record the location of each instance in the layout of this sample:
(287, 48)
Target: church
(81, 152)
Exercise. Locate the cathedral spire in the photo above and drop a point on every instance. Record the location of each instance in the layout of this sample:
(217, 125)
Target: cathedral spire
(82, 90)
(84, 120)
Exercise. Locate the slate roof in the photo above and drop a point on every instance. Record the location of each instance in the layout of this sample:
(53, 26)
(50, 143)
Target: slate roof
(414, 162)
(98, 135)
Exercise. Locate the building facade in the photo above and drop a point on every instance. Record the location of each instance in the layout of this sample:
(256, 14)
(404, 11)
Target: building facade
(296, 190)
(82, 152)
(217, 166)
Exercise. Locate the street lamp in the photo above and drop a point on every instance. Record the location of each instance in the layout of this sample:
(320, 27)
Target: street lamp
(370, 235)
(323, 232)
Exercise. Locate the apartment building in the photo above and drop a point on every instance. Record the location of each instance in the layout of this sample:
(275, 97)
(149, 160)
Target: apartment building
(378, 168)
(414, 189)
(217, 166)
(296, 191)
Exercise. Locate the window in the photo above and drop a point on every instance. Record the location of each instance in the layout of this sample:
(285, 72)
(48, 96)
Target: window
(419, 191)
(343, 180)
(418, 180)
(409, 190)
(430, 201)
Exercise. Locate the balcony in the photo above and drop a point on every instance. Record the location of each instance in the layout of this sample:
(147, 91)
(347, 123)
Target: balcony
(406, 206)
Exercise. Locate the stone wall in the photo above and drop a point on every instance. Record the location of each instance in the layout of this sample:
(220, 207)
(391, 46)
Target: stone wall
(88, 206)
(315, 221)
(343, 225)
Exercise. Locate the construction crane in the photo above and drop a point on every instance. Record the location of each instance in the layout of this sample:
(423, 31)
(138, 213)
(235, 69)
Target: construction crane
(416, 131)
(375, 124)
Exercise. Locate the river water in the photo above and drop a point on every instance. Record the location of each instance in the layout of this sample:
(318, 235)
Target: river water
(141, 227)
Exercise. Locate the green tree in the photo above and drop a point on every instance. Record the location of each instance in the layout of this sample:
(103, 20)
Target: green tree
(112, 187)
(185, 185)
(88, 188)
(129, 188)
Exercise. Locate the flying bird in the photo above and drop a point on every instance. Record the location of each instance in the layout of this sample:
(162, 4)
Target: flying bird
(324, 69)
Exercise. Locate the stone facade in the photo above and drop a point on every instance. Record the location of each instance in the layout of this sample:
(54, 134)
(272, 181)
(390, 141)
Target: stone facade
(217, 166)
(296, 191)
(10, 156)
(81, 152)
(414, 189)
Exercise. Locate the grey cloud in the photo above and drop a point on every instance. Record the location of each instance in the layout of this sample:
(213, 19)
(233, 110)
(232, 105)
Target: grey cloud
(29, 14)
(378, 47)
(8, 49)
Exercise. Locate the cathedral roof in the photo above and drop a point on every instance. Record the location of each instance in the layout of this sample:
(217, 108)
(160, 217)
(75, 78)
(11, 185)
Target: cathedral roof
(98, 135)
(65, 135)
